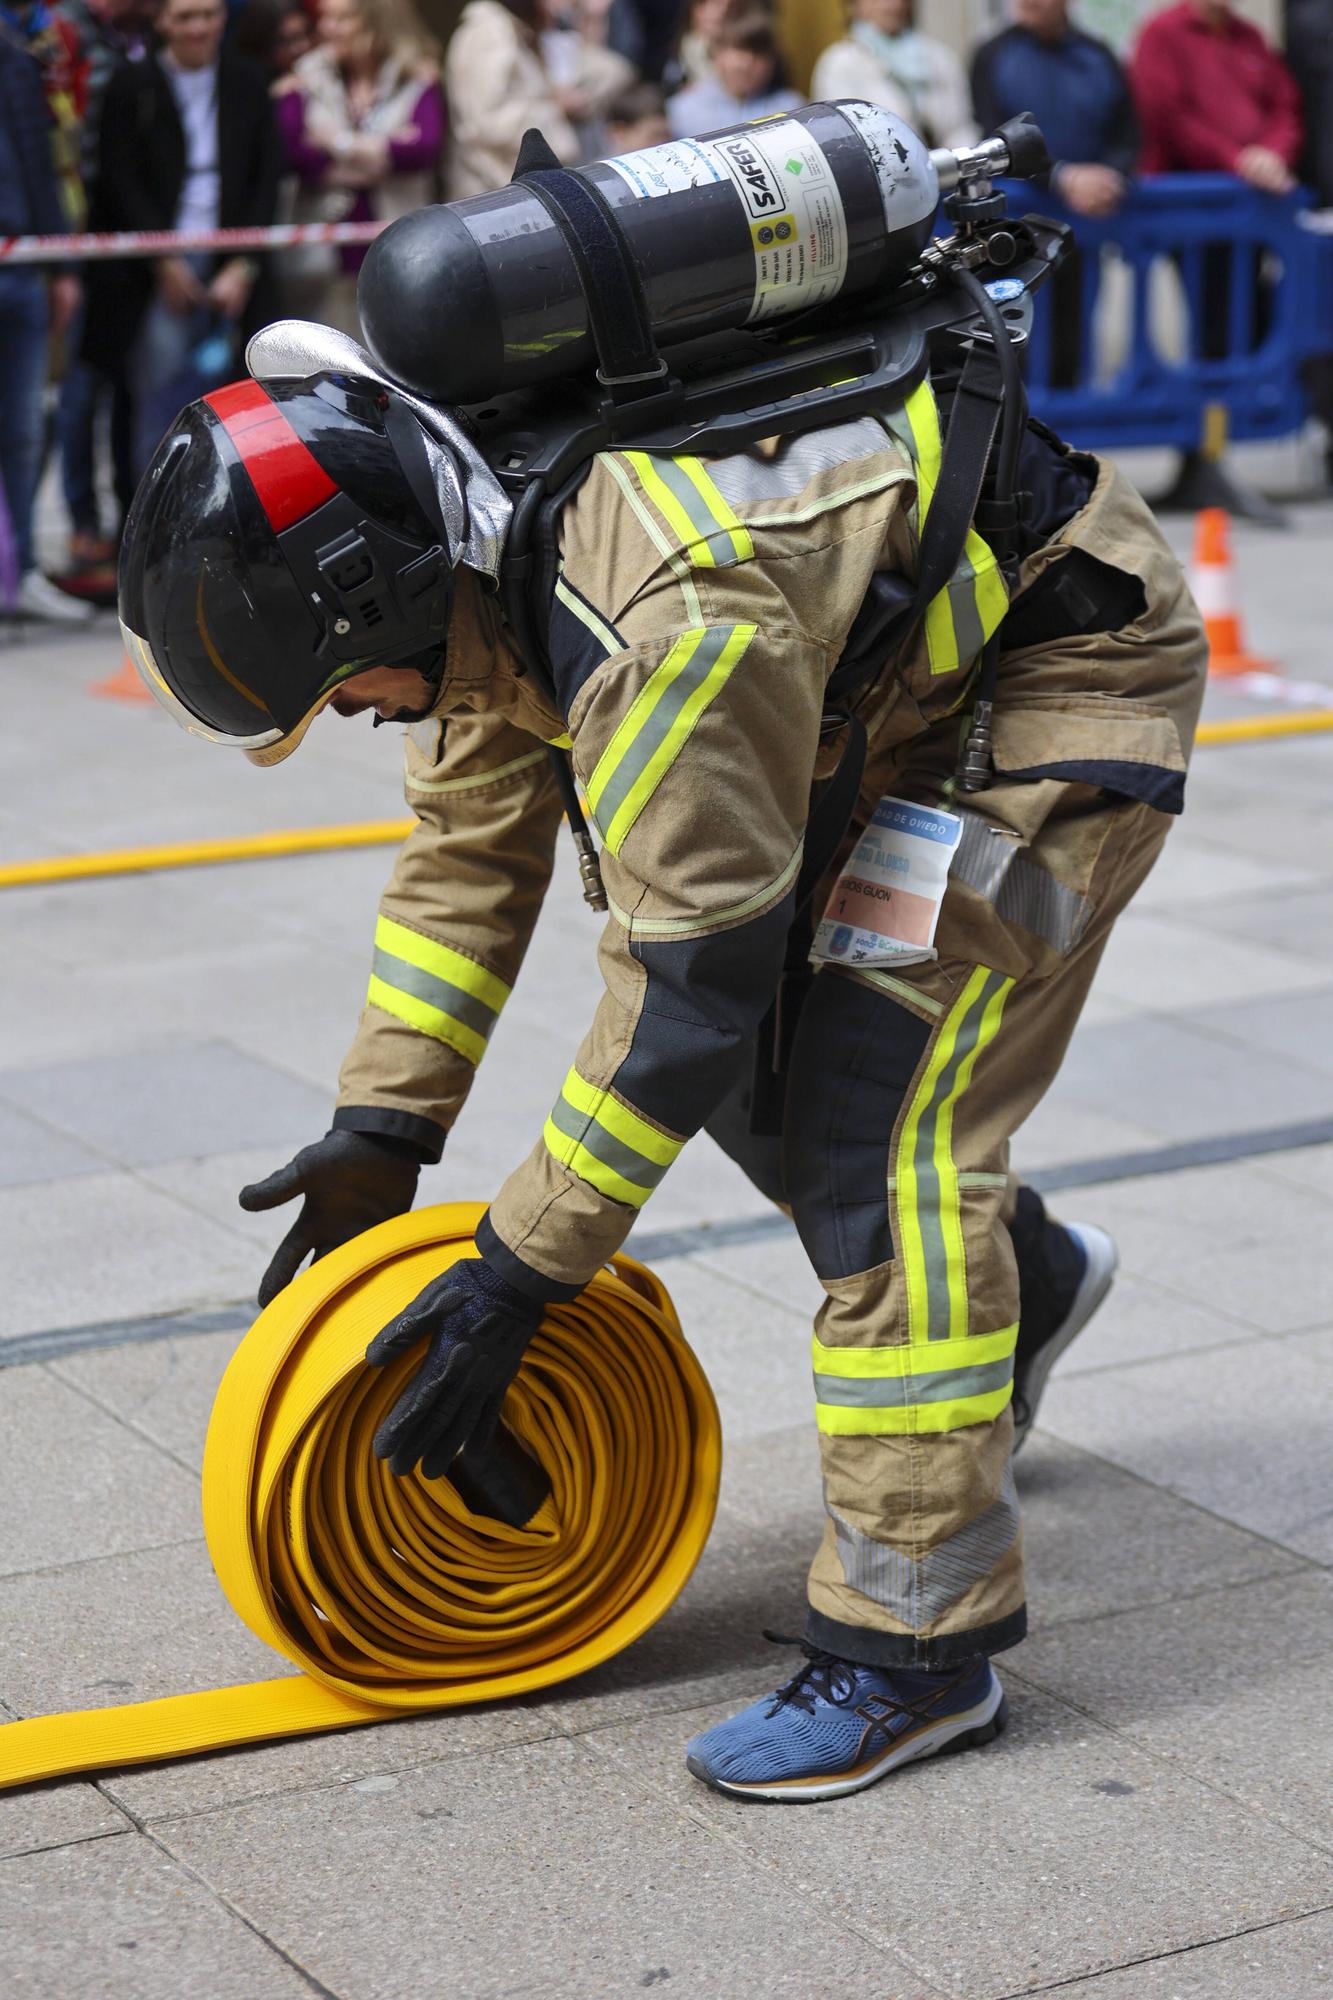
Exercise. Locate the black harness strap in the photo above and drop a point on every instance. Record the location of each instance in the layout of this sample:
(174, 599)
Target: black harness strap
(968, 438)
(612, 283)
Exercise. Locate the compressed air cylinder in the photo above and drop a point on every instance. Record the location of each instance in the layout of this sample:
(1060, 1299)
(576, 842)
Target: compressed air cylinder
(468, 299)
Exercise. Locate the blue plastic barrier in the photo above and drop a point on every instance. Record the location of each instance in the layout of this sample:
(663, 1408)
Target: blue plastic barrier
(1273, 325)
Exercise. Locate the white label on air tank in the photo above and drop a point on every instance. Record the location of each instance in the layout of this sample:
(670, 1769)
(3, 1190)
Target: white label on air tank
(791, 201)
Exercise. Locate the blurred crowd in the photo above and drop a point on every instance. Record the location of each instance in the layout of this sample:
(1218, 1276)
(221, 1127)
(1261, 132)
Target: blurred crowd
(193, 115)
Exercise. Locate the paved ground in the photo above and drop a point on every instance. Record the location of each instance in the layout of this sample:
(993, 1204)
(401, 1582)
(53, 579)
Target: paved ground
(1157, 1821)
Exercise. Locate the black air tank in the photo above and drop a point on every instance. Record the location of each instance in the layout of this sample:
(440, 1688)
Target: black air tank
(472, 298)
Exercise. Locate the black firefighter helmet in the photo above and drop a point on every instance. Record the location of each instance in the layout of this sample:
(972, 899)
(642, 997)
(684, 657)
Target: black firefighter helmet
(284, 537)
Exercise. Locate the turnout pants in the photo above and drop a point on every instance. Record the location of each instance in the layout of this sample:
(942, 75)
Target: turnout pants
(903, 1093)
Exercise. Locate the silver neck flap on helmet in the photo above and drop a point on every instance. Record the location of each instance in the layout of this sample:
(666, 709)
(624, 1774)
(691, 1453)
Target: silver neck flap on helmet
(473, 503)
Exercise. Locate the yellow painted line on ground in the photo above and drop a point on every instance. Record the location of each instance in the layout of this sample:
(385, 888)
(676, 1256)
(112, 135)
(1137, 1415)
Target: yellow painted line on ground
(205, 853)
(1255, 729)
(390, 832)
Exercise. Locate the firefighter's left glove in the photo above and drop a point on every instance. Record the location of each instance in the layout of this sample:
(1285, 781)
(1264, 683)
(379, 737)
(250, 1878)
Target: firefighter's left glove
(476, 1327)
(349, 1181)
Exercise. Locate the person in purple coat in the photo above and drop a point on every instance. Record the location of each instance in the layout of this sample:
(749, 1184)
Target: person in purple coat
(363, 121)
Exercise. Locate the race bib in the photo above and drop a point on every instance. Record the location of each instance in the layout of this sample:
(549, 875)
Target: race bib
(886, 902)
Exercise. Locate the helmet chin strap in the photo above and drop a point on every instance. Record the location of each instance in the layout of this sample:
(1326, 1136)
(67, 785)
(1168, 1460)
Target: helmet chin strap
(469, 501)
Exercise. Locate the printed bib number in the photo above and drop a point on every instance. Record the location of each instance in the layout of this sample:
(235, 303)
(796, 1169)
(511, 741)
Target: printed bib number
(886, 902)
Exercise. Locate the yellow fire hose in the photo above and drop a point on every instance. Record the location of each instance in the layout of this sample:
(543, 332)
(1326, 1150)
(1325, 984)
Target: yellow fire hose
(389, 1595)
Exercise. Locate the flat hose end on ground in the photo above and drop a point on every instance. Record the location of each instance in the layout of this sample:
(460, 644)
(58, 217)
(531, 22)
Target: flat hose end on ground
(390, 1595)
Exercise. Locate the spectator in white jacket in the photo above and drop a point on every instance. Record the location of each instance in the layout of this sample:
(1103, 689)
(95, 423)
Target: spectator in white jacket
(886, 60)
(497, 84)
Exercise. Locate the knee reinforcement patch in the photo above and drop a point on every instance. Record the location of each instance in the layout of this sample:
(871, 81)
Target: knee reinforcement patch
(856, 1055)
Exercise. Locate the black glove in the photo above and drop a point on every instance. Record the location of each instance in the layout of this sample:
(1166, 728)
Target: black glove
(478, 1327)
(350, 1180)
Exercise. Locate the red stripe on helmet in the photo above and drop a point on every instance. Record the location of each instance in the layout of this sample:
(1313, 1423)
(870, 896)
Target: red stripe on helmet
(288, 479)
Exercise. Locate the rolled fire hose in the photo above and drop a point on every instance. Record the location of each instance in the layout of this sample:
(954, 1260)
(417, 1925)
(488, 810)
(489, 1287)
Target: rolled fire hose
(390, 1595)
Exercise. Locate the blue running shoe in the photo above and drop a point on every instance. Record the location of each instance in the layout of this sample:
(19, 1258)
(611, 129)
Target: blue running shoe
(836, 1727)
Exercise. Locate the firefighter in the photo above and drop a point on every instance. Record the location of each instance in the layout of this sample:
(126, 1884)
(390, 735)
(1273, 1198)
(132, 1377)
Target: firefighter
(698, 612)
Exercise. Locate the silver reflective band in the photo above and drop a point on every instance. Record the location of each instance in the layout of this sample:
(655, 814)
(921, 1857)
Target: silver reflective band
(141, 657)
(1020, 890)
(917, 1589)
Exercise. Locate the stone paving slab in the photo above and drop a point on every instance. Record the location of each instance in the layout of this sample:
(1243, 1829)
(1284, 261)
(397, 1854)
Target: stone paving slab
(105, 1246)
(1160, 1072)
(1287, 1961)
(1063, 1835)
(160, 1792)
(187, 1098)
(1231, 1685)
(755, 1352)
(1297, 1028)
(55, 1815)
(118, 1919)
(1284, 920)
(76, 1485)
(1200, 879)
(1153, 953)
(1141, 1319)
(32, 1151)
(163, 1389)
(124, 1628)
(1227, 1238)
(536, 1868)
(1099, 1540)
(1227, 1430)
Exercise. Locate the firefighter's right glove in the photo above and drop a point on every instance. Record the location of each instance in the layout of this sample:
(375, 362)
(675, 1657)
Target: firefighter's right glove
(476, 1327)
(349, 1181)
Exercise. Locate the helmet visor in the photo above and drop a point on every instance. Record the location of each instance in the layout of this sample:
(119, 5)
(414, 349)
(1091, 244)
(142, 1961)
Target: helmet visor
(141, 656)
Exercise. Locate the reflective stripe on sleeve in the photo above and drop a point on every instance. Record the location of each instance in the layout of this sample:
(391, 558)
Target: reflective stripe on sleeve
(606, 1144)
(658, 723)
(912, 1388)
(930, 1229)
(710, 535)
(434, 989)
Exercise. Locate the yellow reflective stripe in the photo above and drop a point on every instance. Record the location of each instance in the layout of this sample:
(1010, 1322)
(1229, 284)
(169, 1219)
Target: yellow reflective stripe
(718, 506)
(474, 783)
(679, 569)
(904, 1359)
(691, 504)
(620, 1121)
(427, 1020)
(923, 418)
(586, 616)
(570, 1153)
(916, 1419)
(930, 1238)
(607, 1144)
(734, 913)
(442, 961)
(658, 723)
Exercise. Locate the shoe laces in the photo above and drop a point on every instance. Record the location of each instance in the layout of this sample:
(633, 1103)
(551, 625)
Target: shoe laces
(823, 1677)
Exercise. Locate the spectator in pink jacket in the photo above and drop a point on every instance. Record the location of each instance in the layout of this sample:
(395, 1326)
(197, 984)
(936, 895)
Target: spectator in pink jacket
(363, 120)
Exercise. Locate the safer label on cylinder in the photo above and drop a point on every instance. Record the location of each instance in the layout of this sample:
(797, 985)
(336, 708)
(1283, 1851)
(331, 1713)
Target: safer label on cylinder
(798, 229)
(886, 902)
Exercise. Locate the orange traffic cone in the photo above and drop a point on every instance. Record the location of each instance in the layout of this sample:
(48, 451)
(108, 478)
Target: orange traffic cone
(123, 685)
(1213, 580)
